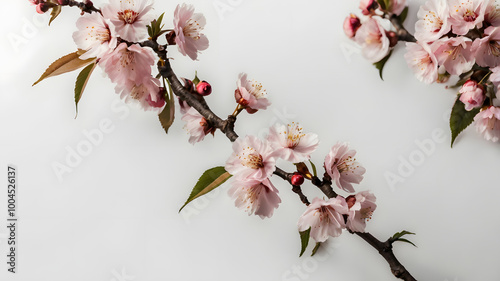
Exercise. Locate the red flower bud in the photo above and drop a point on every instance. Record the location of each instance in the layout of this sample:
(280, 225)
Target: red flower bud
(42, 8)
(351, 25)
(63, 2)
(393, 38)
(203, 88)
(297, 179)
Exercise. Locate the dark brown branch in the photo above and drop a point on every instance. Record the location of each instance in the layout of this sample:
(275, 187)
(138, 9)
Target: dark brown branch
(403, 34)
(85, 7)
(227, 127)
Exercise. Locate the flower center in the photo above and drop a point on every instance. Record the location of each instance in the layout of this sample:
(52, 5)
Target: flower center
(192, 29)
(257, 90)
(454, 51)
(494, 48)
(128, 16)
(348, 164)
(250, 158)
(127, 58)
(366, 213)
(138, 92)
(294, 135)
(491, 123)
(469, 16)
(433, 22)
(102, 35)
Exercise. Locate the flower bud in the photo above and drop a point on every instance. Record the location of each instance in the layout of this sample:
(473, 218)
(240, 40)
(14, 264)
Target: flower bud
(351, 25)
(297, 179)
(88, 4)
(188, 84)
(393, 38)
(204, 88)
(34, 2)
(368, 6)
(472, 95)
(170, 36)
(350, 200)
(63, 2)
(42, 8)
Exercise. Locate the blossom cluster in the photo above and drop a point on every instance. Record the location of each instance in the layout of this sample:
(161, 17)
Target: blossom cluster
(113, 38)
(375, 40)
(461, 38)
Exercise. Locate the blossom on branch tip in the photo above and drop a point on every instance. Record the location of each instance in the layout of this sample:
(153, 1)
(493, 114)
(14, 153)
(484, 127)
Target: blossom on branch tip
(204, 88)
(255, 197)
(290, 144)
(128, 64)
(196, 125)
(130, 18)
(188, 27)
(373, 40)
(466, 15)
(250, 94)
(422, 61)
(472, 95)
(487, 49)
(361, 207)
(454, 54)
(325, 218)
(251, 159)
(95, 35)
(432, 21)
(342, 167)
(488, 123)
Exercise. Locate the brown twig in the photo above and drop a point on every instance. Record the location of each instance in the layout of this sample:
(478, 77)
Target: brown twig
(403, 34)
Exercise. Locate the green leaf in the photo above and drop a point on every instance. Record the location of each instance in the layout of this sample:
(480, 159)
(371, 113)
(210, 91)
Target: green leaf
(403, 15)
(398, 235)
(167, 115)
(380, 64)
(81, 83)
(384, 4)
(150, 31)
(196, 80)
(304, 240)
(315, 173)
(56, 10)
(210, 180)
(460, 118)
(316, 248)
(158, 22)
(406, 240)
(65, 64)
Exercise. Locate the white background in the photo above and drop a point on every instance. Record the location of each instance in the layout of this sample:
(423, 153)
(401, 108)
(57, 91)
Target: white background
(115, 215)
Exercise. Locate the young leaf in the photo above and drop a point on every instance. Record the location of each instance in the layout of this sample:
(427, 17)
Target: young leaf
(460, 118)
(196, 80)
(167, 115)
(315, 173)
(81, 82)
(380, 64)
(383, 4)
(210, 180)
(406, 240)
(56, 10)
(304, 240)
(316, 248)
(65, 64)
(403, 15)
(398, 235)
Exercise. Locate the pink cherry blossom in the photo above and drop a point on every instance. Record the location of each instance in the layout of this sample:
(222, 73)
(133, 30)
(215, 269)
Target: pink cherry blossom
(361, 207)
(188, 26)
(351, 25)
(251, 93)
(432, 21)
(130, 18)
(196, 125)
(492, 16)
(466, 15)
(95, 35)
(367, 6)
(290, 144)
(396, 6)
(454, 54)
(325, 218)
(251, 159)
(472, 95)
(487, 49)
(488, 123)
(128, 64)
(147, 94)
(255, 197)
(342, 167)
(495, 76)
(373, 40)
(422, 60)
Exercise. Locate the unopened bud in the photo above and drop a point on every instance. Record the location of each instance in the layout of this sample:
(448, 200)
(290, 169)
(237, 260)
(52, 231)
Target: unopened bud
(297, 179)
(393, 38)
(204, 88)
(170, 36)
(42, 8)
(368, 6)
(89, 4)
(188, 84)
(63, 2)
(351, 25)
(350, 200)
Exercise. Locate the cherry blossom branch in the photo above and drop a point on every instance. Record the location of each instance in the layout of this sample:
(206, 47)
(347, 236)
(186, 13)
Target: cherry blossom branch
(227, 127)
(86, 6)
(403, 34)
